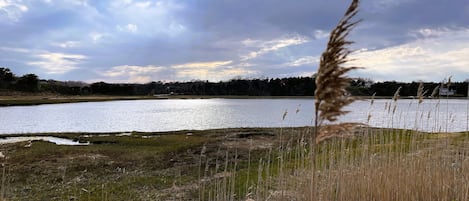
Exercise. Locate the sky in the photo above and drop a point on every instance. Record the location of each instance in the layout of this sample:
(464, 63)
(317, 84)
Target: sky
(138, 41)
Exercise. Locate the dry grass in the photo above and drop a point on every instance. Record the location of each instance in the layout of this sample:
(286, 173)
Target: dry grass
(376, 164)
(331, 82)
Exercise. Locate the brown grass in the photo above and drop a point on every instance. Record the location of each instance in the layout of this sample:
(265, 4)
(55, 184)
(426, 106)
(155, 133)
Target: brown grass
(375, 164)
(331, 82)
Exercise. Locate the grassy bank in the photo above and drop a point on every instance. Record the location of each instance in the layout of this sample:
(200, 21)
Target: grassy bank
(237, 164)
(39, 100)
(50, 99)
(139, 166)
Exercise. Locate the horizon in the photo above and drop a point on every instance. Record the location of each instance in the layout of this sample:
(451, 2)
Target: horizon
(140, 41)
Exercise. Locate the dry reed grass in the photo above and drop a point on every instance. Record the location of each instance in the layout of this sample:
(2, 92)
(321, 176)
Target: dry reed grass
(377, 164)
(331, 82)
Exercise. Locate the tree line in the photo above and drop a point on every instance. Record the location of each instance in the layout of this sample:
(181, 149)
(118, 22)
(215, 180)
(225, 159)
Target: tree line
(25, 83)
(292, 86)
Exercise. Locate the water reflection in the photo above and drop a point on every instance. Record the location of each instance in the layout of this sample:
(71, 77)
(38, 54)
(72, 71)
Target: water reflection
(168, 115)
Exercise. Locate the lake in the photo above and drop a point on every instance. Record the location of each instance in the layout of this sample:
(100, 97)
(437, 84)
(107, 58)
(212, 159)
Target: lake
(171, 115)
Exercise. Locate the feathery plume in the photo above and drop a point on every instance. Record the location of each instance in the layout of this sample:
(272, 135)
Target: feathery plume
(435, 91)
(420, 92)
(373, 99)
(396, 94)
(331, 82)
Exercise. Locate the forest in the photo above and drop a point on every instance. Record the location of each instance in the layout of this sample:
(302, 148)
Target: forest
(292, 86)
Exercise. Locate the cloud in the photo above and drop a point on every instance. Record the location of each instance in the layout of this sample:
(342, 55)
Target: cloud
(321, 34)
(147, 17)
(13, 49)
(132, 28)
(57, 63)
(380, 5)
(203, 65)
(213, 71)
(67, 44)
(214, 75)
(12, 9)
(144, 4)
(430, 58)
(96, 37)
(307, 60)
(270, 46)
(132, 74)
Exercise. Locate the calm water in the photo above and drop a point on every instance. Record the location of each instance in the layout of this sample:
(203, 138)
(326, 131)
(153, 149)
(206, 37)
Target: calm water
(169, 115)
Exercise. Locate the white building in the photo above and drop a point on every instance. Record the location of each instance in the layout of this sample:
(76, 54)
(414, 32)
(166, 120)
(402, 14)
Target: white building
(446, 91)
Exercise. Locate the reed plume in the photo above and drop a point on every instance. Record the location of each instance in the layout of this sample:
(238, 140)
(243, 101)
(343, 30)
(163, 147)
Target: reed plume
(421, 93)
(396, 94)
(435, 91)
(331, 80)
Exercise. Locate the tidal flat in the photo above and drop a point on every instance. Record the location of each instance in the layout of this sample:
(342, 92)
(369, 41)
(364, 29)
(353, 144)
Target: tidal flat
(236, 164)
(117, 166)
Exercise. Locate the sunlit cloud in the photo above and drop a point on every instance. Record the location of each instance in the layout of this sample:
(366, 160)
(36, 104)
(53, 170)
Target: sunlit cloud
(213, 71)
(203, 65)
(57, 63)
(132, 74)
(265, 47)
(437, 54)
(303, 61)
(214, 75)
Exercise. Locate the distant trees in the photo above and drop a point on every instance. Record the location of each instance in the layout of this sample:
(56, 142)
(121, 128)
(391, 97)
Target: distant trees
(6, 78)
(27, 83)
(292, 86)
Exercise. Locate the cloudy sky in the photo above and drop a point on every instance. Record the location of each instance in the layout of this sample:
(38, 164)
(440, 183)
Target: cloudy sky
(139, 41)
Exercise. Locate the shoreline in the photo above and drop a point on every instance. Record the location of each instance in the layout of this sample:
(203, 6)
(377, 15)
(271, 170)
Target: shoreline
(6, 101)
(30, 100)
(76, 135)
(84, 134)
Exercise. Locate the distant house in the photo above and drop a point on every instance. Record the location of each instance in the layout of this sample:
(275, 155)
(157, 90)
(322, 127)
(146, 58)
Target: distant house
(447, 91)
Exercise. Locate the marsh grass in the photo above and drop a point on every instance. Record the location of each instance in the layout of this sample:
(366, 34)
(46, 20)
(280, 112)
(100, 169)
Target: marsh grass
(377, 164)
(355, 162)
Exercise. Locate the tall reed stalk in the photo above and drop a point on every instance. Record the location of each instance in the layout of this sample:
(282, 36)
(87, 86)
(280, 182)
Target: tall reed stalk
(385, 164)
(331, 94)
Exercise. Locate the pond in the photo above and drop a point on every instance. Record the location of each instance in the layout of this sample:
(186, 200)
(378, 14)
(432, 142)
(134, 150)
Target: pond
(198, 114)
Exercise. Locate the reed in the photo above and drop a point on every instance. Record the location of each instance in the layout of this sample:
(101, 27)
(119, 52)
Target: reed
(331, 81)
(373, 164)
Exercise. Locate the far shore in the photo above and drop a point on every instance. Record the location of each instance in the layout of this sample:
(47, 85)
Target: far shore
(26, 100)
